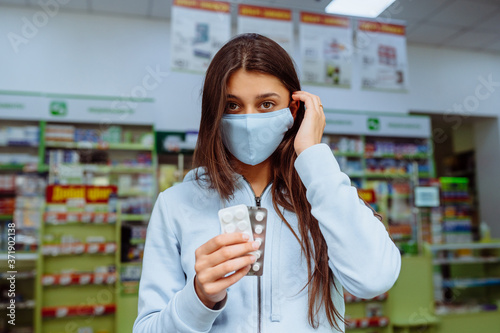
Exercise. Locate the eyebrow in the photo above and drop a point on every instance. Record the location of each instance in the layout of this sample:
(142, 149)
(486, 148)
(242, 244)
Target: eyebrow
(266, 95)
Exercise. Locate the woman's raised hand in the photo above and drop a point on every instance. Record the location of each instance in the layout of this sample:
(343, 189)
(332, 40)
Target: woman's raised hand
(313, 124)
(217, 258)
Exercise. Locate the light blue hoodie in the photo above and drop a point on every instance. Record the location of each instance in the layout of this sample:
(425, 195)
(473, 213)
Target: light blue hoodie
(362, 257)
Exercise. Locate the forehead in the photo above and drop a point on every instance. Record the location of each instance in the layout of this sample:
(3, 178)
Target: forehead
(254, 83)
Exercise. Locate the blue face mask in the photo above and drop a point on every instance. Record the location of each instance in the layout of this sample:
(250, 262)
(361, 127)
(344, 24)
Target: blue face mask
(253, 137)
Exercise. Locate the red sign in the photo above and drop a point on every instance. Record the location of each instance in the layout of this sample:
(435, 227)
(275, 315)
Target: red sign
(59, 194)
(394, 29)
(335, 21)
(214, 6)
(266, 12)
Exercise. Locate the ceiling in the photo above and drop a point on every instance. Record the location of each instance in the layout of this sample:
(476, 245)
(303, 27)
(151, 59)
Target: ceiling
(469, 24)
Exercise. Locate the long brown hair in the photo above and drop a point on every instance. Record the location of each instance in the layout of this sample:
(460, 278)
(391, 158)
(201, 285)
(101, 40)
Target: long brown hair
(256, 53)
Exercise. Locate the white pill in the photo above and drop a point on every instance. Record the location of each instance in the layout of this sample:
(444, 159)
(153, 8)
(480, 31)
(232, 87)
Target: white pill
(257, 254)
(242, 225)
(230, 228)
(259, 229)
(259, 240)
(240, 214)
(227, 217)
(259, 216)
(256, 267)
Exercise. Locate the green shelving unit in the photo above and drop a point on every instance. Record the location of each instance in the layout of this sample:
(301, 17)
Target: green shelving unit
(98, 305)
(466, 285)
(391, 175)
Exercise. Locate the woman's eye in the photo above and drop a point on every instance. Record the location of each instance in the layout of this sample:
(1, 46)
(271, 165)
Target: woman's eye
(267, 105)
(232, 106)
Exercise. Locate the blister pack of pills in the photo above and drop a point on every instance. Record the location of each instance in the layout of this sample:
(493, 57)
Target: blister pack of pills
(249, 220)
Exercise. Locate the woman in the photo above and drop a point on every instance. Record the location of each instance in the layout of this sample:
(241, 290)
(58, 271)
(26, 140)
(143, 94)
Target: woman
(259, 145)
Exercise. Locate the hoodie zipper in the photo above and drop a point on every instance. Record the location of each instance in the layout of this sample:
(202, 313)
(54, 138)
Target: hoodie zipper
(259, 278)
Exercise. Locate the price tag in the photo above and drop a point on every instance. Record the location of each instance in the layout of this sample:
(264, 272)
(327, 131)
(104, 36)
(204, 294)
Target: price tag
(48, 280)
(93, 248)
(61, 312)
(110, 248)
(99, 310)
(78, 248)
(65, 279)
(85, 278)
(98, 278)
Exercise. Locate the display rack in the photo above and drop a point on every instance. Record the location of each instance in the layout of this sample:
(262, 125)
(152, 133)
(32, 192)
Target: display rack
(362, 314)
(456, 210)
(119, 155)
(21, 206)
(466, 277)
(61, 288)
(77, 280)
(387, 166)
(175, 156)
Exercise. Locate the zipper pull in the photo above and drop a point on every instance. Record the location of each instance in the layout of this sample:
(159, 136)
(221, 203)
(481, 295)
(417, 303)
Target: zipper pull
(257, 201)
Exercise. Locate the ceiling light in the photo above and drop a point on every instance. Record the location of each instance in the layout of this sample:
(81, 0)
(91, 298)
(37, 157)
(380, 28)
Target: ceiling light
(361, 8)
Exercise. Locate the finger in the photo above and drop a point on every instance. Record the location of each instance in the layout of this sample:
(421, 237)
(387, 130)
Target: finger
(229, 266)
(228, 281)
(310, 100)
(222, 270)
(221, 240)
(230, 252)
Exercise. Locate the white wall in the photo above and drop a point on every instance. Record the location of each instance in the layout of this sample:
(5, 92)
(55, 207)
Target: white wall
(100, 55)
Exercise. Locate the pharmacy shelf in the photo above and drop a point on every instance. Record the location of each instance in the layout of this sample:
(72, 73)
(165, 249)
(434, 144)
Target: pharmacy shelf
(20, 275)
(466, 260)
(471, 283)
(454, 310)
(472, 246)
(400, 157)
(134, 194)
(93, 145)
(20, 256)
(79, 248)
(393, 175)
(82, 310)
(348, 298)
(68, 218)
(355, 174)
(131, 263)
(135, 241)
(107, 169)
(348, 154)
(12, 167)
(27, 304)
(78, 279)
(20, 145)
(135, 217)
(353, 323)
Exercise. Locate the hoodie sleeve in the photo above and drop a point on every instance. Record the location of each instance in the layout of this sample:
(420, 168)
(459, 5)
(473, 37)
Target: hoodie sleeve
(361, 254)
(167, 301)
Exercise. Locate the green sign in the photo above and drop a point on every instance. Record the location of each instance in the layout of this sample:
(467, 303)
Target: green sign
(373, 124)
(58, 108)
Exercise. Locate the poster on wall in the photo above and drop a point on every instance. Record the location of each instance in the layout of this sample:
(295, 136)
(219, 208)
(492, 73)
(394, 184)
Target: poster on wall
(326, 49)
(383, 57)
(274, 23)
(199, 29)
